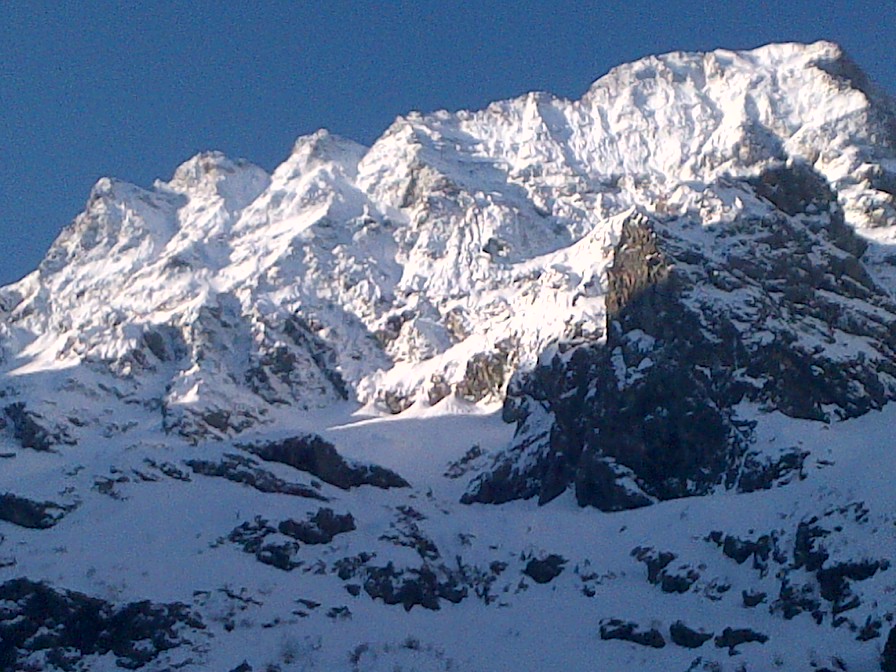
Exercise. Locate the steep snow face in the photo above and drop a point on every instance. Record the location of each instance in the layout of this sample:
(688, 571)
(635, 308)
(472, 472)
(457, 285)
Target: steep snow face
(443, 258)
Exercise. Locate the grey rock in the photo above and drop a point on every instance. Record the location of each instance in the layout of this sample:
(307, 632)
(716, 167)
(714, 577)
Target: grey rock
(312, 454)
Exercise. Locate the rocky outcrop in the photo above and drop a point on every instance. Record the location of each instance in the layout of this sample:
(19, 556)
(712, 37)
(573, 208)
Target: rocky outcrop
(32, 431)
(240, 469)
(68, 627)
(687, 637)
(484, 377)
(731, 638)
(320, 528)
(546, 569)
(696, 324)
(424, 586)
(312, 454)
(888, 658)
(614, 628)
(28, 513)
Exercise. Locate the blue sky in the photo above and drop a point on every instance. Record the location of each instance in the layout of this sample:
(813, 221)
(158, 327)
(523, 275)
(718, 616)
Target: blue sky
(132, 89)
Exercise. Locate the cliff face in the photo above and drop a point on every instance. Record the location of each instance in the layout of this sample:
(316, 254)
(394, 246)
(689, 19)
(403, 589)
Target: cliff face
(763, 311)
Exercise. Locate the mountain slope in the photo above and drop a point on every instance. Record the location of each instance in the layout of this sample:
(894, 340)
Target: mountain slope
(251, 416)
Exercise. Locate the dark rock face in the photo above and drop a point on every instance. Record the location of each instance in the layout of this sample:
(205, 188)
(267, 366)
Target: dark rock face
(656, 561)
(30, 432)
(762, 474)
(888, 658)
(757, 310)
(814, 567)
(28, 513)
(545, 570)
(615, 628)
(753, 598)
(253, 537)
(37, 617)
(687, 637)
(279, 545)
(316, 456)
(320, 528)
(240, 469)
(421, 586)
(483, 377)
(731, 638)
(659, 572)
(405, 531)
(741, 550)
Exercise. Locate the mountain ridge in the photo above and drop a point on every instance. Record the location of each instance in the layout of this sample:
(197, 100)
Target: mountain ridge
(629, 356)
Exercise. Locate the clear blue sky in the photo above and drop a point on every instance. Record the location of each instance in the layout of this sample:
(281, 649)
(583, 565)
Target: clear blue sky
(132, 89)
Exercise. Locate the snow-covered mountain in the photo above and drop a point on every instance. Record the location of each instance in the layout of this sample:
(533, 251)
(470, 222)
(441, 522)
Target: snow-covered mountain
(584, 383)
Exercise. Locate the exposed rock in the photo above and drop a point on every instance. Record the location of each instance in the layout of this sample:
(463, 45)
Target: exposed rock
(457, 323)
(762, 473)
(301, 332)
(392, 327)
(240, 469)
(649, 412)
(753, 598)
(439, 388)
(795, 188)
(198, 425)
(411, 587)
(614, 628)
(678, 582)
(280, 555)
(395, 402)
(29, 513)
(731, 638)
(688, 637)
(320, 528)
(465, 464)
(888, 657)
(255, 538)
(166, 343)
(29, 430)
(279, 546)
(656, 561)
(315, 455)
(740, 550)
(350, 567)
(168, 469)
(545, 570)
(484, 377)
(406, 532)
(795, 599)
(807, 551)
(833, 580)
(38, 618)
(870, 629)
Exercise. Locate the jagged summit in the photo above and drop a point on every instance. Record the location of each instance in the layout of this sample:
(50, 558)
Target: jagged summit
(429, 259)
(626, 361)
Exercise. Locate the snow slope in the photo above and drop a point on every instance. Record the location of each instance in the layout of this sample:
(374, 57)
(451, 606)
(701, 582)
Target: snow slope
(168, 362)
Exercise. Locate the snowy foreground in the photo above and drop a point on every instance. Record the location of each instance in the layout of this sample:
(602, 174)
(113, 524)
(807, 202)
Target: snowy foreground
(150, 536)
(604, 384)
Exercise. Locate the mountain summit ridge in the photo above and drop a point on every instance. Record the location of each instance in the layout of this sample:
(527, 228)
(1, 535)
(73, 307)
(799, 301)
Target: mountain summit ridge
(445, 207)
(626, 361)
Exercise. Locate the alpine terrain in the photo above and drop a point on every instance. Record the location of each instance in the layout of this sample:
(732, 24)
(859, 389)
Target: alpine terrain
(600, 384)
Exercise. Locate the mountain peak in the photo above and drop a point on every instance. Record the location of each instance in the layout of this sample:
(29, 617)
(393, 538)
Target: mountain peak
(673, 296)
(213, 175)
(324, 147)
